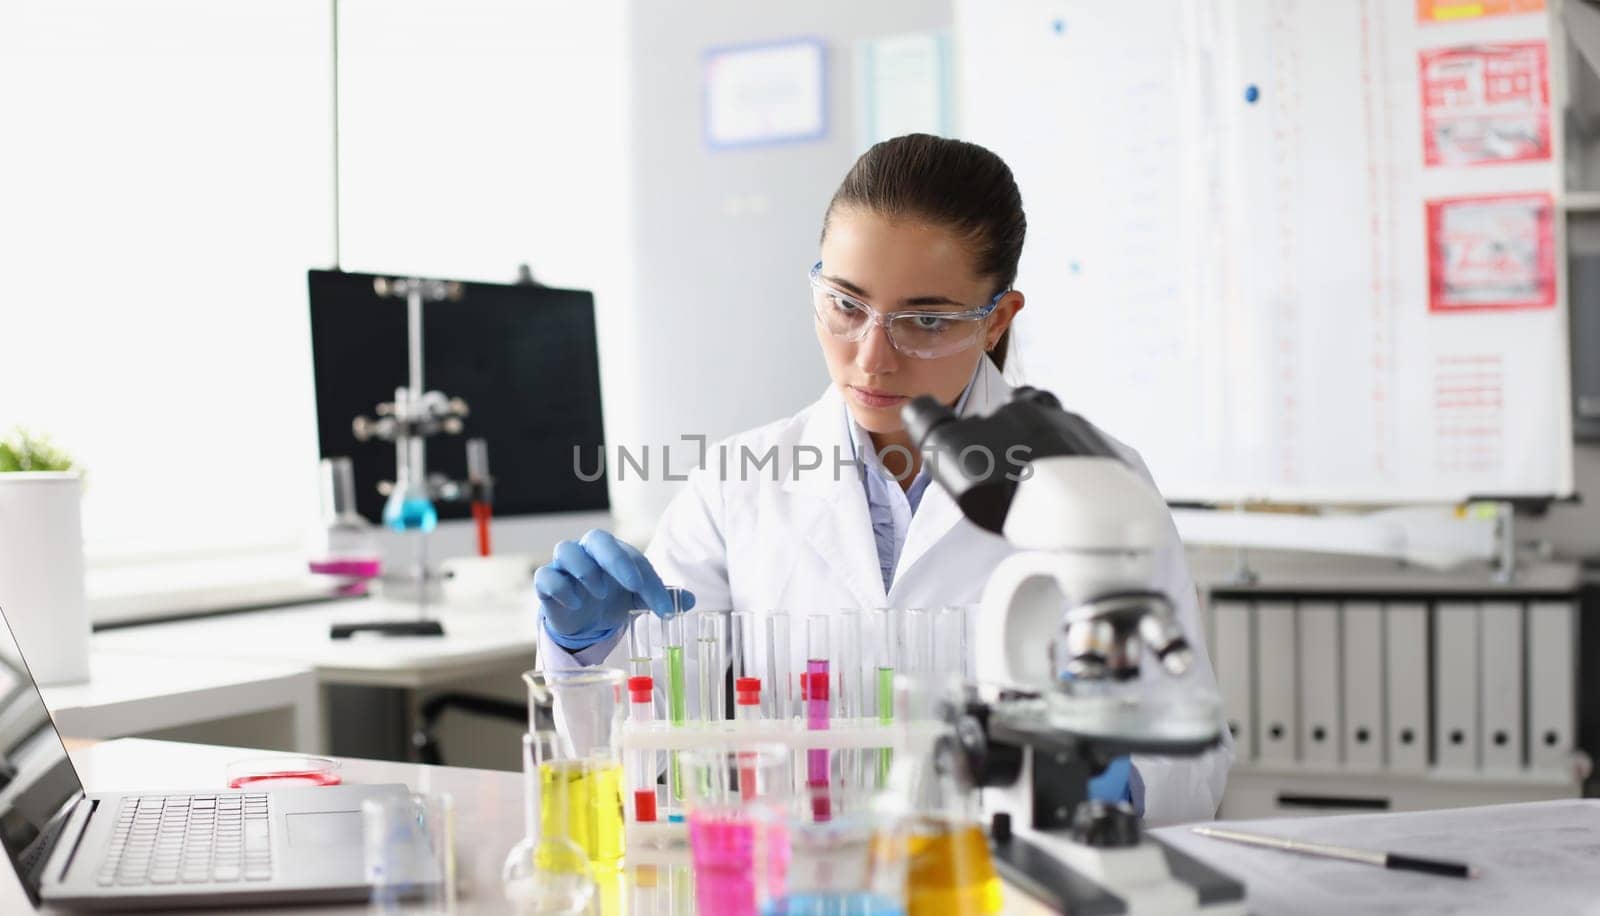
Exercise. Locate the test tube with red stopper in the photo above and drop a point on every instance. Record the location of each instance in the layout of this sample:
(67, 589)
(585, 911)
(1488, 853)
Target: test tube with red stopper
(642, 712)
(747, 708)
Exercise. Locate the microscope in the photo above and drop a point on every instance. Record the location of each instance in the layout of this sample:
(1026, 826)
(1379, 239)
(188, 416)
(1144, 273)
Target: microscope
(1065, 625)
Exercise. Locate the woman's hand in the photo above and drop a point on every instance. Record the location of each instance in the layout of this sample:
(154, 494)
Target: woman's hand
(587, 589)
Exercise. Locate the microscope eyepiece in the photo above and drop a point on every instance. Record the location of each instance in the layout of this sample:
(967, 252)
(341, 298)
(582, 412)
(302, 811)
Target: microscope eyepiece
(924, 415)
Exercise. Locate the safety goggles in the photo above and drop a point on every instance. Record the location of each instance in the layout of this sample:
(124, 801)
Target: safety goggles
(919, 333)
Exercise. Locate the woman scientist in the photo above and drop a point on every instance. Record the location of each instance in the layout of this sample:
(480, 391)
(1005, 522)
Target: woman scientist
(912, 296)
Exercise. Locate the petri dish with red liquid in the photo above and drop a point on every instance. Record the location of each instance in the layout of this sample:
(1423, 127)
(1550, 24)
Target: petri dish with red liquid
(287, 771)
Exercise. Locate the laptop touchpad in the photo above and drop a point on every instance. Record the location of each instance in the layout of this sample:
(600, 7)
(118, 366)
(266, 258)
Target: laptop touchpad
(324, 828)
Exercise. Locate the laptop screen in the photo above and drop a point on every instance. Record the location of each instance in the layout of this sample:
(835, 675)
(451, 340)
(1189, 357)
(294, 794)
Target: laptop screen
(37, 781)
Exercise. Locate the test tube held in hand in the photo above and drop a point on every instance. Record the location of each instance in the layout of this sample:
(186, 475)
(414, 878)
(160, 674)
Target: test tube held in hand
(677, 699)
(677, 695)
(639, 649)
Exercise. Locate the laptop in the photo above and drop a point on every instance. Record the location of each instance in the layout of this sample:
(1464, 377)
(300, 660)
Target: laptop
(210, 847)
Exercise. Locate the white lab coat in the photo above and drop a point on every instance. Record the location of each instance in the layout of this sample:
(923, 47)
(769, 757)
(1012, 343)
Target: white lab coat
(787, 538)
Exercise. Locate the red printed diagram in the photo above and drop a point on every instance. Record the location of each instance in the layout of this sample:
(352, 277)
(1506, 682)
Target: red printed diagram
(1486, 104)
(1491, 253)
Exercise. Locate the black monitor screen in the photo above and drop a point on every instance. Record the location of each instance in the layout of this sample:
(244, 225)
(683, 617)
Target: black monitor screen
(523, 357)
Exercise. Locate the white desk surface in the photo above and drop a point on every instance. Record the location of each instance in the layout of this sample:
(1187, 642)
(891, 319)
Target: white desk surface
(1537, 857)
(1541, 857)
(127, 694)
(488, 821)
(476, 637)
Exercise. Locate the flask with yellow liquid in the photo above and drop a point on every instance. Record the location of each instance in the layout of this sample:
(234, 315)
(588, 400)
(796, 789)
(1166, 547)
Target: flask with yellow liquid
(949, 870)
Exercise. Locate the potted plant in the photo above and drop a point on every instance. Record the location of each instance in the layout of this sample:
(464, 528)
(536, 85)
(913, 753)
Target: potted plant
(41, 557)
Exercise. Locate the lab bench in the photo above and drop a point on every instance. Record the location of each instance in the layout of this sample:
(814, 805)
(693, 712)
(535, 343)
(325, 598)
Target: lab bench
(363, 693)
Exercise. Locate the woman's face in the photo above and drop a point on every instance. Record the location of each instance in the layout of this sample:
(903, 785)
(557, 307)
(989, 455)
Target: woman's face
(894, 265)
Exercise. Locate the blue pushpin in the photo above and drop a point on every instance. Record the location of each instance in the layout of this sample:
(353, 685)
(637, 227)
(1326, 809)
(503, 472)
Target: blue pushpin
(1251, 93)
(1059, 26)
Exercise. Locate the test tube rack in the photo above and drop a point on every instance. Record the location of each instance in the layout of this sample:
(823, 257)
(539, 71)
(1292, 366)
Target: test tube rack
(857, 733)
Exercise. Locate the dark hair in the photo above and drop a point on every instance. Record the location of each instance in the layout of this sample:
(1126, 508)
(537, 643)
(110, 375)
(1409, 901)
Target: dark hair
(949, 183)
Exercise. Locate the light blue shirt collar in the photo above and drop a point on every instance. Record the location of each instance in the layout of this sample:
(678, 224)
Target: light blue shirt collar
(890, 507)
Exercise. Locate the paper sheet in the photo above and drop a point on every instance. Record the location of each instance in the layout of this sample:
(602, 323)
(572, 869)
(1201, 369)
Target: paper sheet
(1542, 857)
(770, 93)
(903, 87)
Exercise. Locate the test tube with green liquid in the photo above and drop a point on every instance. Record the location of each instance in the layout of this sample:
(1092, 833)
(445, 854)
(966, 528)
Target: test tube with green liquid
(677, 700)
(880, 630)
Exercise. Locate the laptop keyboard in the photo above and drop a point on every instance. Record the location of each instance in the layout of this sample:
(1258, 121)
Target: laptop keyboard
(167, 839)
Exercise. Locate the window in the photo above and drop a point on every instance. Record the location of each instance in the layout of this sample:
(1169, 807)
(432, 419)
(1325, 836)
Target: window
(165, 183)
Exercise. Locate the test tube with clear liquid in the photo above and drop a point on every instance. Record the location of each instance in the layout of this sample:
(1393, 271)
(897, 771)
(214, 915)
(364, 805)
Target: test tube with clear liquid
(916, 642)
(845, 698)
(709, 654)
(780, 674)
(950, 651)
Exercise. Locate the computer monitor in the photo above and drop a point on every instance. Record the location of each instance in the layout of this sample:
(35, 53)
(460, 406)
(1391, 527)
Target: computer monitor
(523, 357)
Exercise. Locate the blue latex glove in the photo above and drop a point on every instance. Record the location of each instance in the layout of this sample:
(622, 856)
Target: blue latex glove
(1112, 784)
(586, 591)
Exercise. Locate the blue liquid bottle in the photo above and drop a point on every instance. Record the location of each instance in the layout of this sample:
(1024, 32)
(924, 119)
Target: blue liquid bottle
(407, 511)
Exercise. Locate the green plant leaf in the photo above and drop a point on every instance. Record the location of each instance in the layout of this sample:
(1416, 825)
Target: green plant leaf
(27, 451)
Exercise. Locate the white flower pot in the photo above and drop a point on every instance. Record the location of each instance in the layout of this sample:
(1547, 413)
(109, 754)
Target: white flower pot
(41, 572)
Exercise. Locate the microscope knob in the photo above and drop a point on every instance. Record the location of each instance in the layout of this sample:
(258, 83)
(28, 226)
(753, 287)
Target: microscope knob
(1037, 395)
(1000, 828)
(1105, 825)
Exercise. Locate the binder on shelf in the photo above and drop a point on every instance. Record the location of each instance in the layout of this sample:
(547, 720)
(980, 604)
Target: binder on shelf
(1235, 666)
(1500, 683)
(1405, 674)
(1455, 685)
(1276, 720)
(1317, 638)
(1552, 646)
(1361, 640)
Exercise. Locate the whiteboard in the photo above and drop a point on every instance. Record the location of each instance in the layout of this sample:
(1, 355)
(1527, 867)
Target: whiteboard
(1241, 289)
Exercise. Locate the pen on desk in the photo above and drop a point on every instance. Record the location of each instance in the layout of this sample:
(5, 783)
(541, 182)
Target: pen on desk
(1381, 859)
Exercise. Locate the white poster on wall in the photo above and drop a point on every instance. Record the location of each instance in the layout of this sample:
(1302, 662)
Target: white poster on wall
(902, 87)
(769, 93)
